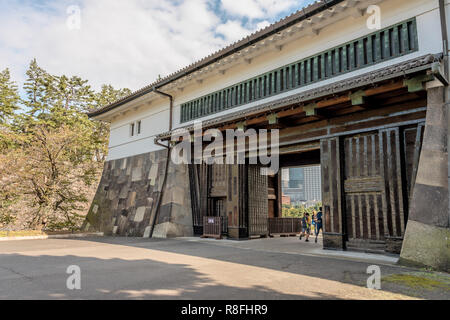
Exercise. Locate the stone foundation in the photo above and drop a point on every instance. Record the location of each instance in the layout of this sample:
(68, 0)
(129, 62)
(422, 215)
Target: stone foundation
(426, 240)
(426, 246)
(393, 245)
(333, 241)
(125, 202)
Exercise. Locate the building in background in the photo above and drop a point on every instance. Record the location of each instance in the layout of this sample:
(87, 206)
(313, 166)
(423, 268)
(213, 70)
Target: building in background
(302, 184)
(286, 200)
(313, 185)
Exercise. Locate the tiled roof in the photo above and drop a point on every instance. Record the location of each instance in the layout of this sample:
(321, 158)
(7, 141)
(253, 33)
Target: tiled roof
(274, 28)
(401, 69)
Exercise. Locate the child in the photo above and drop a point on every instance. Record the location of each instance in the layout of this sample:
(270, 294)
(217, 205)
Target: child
(306, 227)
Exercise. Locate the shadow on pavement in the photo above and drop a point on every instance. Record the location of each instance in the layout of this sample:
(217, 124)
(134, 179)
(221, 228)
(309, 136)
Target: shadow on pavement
(180, 269)
(44, 277)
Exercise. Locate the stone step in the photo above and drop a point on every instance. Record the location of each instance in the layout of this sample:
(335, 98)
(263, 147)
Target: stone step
(366, 250)
(366, 244)
(366, 240)
(369, 246)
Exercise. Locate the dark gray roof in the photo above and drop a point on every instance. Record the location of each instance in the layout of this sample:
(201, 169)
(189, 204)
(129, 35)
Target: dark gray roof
(272, 29)
(390, 72)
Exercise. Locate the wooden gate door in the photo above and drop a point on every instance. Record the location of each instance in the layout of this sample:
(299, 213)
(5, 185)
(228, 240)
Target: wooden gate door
(366, 179)
(365, 187)
(199, 185)
(334, 227)
(257, 202)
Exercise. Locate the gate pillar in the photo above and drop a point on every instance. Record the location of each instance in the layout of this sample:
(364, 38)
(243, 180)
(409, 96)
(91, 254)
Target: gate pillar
(332, 192)
(427, 238)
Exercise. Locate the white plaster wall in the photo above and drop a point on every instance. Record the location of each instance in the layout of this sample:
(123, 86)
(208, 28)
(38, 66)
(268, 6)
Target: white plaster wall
(155, 117)
(122, 145)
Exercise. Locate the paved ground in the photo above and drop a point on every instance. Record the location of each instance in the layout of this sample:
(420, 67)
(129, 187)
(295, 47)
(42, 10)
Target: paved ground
(190, 268)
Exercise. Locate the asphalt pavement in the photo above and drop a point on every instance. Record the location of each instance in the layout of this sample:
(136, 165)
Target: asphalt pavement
(191, 268)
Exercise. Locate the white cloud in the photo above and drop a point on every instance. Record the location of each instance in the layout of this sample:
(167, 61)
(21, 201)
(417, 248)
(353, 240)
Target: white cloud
(232, 30)
(124, 43)
(262, 24)
(259, 9)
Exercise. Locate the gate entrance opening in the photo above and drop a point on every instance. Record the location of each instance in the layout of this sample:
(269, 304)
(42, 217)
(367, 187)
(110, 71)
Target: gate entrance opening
(368, 151)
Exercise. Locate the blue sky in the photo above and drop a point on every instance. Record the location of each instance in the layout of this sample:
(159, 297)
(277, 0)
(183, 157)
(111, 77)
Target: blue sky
(126, 43)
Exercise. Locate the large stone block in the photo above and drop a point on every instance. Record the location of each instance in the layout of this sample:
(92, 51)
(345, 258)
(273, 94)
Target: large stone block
(147, 232)
(172, 230)
(153, 174)
(124, 164)
(426, 246)
(124, 191)
(333, 241)
(136, 174)
(131, 201)
(125, 203)
(140, 213)
(426, 240)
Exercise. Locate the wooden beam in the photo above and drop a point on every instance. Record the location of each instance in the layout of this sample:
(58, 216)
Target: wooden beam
(347, 110)
(331, 102)
(303, 120)
(228, 126)
(385, 88)
(256, 120)
(290, 112)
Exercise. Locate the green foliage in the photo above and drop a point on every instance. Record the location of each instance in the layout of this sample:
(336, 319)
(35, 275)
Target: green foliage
(6, 219)
(420, 280)
(9, 97)
(299, 211)
(108, 95)
(52, 153)
(70, 222)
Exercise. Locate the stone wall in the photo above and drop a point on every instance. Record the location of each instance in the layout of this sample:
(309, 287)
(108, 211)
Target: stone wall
(127, 196)
(427, 238)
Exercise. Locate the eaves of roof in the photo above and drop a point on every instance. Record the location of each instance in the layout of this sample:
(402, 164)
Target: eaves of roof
(398, 70)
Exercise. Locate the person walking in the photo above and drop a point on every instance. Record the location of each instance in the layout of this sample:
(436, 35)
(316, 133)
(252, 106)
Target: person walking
(313, 221)
(306, 227)
(319, 225)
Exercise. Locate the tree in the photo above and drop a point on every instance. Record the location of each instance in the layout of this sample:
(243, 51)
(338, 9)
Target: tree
(9, 97)
(52, 153)
(37, 89)
(108, 95)
(9, 195)
(49, 171)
